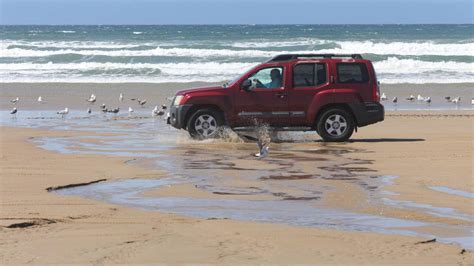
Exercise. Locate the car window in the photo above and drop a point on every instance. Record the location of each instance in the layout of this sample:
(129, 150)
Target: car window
(269, 78)
(352, 73)
(307, 75)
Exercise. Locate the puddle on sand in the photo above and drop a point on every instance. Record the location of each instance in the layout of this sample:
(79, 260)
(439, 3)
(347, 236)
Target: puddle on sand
(293, 181)
(452, 191)
(292, 211)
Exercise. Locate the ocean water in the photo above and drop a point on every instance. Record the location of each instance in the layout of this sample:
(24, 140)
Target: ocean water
(158, 54)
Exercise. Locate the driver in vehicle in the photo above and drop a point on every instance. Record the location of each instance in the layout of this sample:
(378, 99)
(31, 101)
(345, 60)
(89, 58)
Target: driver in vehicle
(276, 82)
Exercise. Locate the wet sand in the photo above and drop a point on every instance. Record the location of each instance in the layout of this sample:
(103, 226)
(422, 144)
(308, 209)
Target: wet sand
(73, 95)
(423, 149)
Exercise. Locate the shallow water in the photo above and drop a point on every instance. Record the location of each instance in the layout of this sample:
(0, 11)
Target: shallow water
(296, 181)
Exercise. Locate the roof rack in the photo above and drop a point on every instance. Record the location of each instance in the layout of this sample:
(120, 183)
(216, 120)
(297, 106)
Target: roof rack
(286, 57)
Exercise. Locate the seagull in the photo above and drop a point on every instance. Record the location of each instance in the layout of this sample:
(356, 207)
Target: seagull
(263, 149)
(163, 107)
(395, 100)
(383, 97)
(14, 111)
(448, 98)
(89, 111)
(141, 102)
(457, 100)
(411, 98)
(419, 97)
(427, 99)
(14, 101)
(130, 110)
(63, 112)
(121, 97)
(103, 106)
(115, 111)
(40, 99)
(92, 98)
(157, 112)
(472, 101)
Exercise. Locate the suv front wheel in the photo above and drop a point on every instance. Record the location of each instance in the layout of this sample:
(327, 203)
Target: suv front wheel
(204, 124)
(335, 125)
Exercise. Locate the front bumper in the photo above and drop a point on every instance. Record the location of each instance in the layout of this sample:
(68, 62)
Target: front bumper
(177, 115)
(368, 113)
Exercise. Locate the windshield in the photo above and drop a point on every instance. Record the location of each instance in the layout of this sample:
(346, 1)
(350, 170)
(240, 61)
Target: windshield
(232, 81)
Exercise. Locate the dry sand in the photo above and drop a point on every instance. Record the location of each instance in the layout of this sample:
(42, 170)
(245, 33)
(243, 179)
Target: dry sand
(423, 148)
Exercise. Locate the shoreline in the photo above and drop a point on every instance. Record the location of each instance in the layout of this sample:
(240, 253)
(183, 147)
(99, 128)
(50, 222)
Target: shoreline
(73, 95)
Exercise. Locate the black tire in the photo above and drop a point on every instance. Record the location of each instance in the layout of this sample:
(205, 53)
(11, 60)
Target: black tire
(335, 125)
(203, 121)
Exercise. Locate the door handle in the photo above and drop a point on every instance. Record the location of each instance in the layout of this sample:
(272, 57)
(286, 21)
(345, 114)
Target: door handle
(280, 95)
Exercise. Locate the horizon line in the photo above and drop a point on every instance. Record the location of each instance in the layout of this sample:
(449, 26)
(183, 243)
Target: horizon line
(244, 24)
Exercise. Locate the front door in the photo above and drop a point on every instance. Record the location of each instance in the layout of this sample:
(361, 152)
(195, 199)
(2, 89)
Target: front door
(266, 101)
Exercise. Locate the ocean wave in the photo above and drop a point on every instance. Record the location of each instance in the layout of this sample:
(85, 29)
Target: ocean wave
(126, 50)
(392, 70)
(209, 68)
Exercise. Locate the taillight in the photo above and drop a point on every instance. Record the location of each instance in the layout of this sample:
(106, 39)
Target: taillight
(376, 94)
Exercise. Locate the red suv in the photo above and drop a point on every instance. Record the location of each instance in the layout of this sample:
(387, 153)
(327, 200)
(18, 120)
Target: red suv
(331, 94)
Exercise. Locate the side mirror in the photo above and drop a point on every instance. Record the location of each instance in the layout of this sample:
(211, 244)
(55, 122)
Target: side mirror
(246, 85)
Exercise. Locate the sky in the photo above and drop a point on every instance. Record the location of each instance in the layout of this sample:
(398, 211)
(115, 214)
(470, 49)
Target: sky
(68, 12)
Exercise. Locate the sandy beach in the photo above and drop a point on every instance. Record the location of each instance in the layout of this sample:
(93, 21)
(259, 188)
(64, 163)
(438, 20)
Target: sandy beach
(404, 170)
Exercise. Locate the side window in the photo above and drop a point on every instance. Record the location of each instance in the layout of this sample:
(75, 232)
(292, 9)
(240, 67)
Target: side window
(352, 73)
(269, 78)
(307, 75)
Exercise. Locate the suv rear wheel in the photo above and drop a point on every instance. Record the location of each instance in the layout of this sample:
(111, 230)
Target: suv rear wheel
(204, 124)
(335, 125)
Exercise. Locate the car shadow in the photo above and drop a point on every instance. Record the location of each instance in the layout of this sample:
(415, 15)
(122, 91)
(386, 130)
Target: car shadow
(377, 140)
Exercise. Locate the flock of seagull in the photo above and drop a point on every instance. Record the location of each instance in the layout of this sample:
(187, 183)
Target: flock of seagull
(419, 98)
(92, 99)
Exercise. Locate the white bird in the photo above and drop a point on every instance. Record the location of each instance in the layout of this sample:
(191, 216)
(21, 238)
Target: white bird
(14, 111)
(63, 112)
(411, 98)
(92, 98)
(263, 149)
(395, 99)
(427, 99)
(103, 106)
(14, 101)
(40, 99)
(89, 111)
(457, 100)
(383, 97)
(121, 97)
(419, 97)
(115, 110)
(472, 101)
(141, 102)
(157, 112)
(130, 110)
(163, 106)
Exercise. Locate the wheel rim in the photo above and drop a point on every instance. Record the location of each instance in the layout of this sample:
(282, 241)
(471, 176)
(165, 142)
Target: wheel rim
(205, 125)
(336, 125)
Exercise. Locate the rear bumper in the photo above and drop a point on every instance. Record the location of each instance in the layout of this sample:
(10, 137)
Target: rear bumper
(368, 113)
(177, 115)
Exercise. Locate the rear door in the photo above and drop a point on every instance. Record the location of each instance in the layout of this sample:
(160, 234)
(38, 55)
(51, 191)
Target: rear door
(354, 76)
(267, 102)
(308, 79)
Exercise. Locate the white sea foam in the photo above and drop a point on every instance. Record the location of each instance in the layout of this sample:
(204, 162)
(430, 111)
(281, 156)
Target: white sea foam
(254, 48)
(392, 70)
